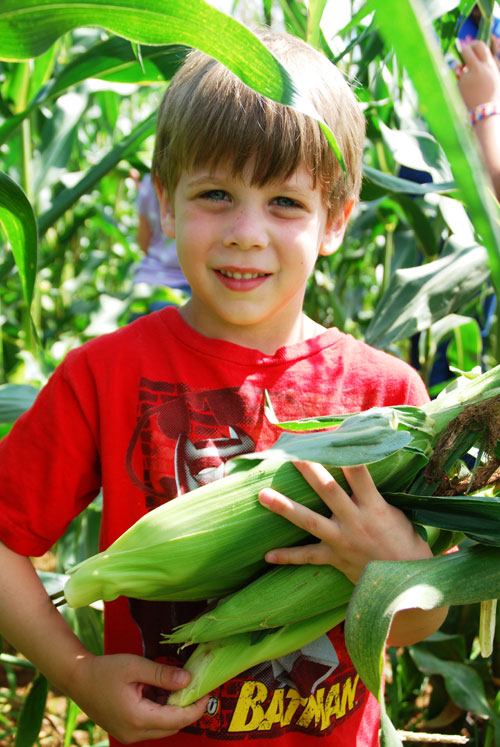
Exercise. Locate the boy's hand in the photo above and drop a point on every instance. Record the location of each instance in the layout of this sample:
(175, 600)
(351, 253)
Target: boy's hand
(110, 690)
(363, 526)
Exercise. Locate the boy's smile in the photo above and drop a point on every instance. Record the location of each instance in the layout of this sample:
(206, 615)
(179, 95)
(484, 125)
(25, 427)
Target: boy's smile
(247, 252)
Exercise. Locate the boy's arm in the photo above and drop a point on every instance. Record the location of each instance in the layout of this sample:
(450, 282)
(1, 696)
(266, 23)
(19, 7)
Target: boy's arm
(109, 689)
(363, 527)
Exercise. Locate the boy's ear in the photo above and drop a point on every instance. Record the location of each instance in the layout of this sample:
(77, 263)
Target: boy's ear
(335, 230)
(166, 210)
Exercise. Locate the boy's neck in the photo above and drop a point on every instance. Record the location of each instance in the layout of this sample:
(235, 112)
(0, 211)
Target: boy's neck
(267, 337)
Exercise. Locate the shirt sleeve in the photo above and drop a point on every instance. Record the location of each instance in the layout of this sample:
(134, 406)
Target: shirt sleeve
(417, 391)
(49, 467)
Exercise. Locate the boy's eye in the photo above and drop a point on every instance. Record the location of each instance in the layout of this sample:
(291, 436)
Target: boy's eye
(217, 195)
(286, 202)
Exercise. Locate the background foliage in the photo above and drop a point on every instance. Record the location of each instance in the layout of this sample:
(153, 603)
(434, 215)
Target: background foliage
(418, 274)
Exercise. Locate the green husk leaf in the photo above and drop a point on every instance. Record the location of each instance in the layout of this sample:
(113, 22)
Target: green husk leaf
(365, 437)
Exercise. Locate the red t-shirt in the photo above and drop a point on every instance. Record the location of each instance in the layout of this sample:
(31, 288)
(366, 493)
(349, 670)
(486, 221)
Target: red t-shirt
(152, 411)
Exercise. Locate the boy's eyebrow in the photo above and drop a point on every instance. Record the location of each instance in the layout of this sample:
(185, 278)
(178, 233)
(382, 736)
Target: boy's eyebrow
(284, 184)
(200, 179)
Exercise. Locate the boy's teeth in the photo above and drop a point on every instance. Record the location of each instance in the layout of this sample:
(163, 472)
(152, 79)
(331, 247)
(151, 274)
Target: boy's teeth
(242, 275)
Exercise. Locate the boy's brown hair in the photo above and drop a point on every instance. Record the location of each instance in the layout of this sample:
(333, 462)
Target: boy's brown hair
(209, 117)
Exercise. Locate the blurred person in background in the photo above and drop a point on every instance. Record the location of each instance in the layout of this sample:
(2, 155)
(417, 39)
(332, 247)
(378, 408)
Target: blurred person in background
(159, 266)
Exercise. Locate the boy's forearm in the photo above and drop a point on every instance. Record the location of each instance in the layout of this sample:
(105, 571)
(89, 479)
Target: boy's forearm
(30, 622)
(107, 688)
(412, 626)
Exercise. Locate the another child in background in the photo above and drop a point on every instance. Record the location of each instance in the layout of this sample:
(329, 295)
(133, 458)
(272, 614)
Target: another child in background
(160, 266)
(479, 85)
(251, 192)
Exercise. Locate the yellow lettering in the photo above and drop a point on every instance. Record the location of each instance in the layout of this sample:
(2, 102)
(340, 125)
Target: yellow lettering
(250, 699)
(313, 709)
(295, 701)
(348, 694)
(332, 703)
(249, 714)
(275, 712)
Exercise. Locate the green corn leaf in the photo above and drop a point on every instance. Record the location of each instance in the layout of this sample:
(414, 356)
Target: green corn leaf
(30, 720)
(68, 197)
(29, 27)
(427, 584)
(391, 183)
(315, 12)
(477, 514)
(114, 60)
(18, 222)
(443, 108)
(463, 683)
(417, 150)
(419, 296)
(86, 623)
(487, 626)
(71, 722)
(14, 400)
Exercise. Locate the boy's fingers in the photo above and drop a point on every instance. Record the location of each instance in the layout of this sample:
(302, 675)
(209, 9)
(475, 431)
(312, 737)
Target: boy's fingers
(471, 53)
(303, 555)
(180, 717)
(319, 526)
(163, 720)
(159, 719)
(361, 482)
(482, 51)
(161, 675)
(329, 490)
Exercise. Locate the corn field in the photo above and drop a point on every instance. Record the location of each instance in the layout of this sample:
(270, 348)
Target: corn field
(418, 274)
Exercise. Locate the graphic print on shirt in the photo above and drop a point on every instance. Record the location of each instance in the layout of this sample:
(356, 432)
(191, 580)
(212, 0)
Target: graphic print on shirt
(182, 440)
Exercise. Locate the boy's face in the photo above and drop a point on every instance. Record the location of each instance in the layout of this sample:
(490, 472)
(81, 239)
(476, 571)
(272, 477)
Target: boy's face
(247, 251)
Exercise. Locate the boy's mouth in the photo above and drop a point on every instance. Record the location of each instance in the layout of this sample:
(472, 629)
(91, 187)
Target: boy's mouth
(241, 280)
(243, 274)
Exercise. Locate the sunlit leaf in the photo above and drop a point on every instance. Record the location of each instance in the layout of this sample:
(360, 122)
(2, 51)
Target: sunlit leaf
(427, 584)
(29, 27)
(316, 8)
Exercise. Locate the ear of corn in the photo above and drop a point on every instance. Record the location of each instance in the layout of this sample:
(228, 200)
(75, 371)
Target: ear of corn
(186, 549)
(215, 662)
(282, 595)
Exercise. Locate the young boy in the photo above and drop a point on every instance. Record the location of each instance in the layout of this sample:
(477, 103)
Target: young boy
(252, 193)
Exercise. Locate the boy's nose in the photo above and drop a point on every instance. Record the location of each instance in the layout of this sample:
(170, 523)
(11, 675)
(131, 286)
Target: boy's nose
(246, 230)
